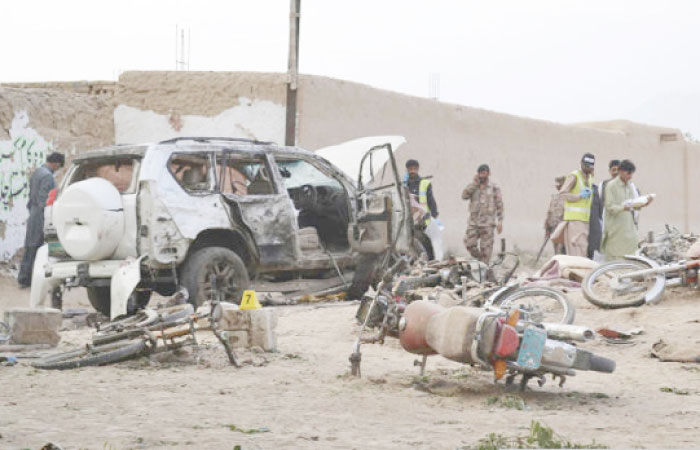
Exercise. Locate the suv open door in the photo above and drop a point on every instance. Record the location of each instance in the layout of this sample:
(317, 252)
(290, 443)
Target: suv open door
(382, 220)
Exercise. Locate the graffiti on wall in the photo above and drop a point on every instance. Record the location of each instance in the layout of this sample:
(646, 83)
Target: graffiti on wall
(19, 157)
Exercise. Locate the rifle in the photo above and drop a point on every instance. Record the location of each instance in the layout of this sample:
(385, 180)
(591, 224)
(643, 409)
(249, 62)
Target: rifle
(546, 239)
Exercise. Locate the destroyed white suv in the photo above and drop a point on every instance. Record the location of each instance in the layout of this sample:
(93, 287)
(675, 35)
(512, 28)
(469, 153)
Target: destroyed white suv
(218, 216)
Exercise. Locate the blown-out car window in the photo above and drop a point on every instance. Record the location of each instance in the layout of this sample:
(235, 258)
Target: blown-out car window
(121, 172)
(243, 174)
(191, 171)
(298, 172)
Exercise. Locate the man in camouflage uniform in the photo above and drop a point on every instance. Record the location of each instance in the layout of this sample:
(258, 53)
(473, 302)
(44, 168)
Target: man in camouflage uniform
(485, 214)
(555, 214)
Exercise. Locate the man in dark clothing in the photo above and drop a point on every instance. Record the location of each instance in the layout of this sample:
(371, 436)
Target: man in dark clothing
(421, 188)
(613, 168)
(40, 184)
(595, 223)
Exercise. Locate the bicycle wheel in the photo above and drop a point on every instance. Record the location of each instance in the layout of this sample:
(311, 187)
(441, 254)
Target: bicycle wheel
(604, 288)
(543, 304)
(93, 356)
(142, 318)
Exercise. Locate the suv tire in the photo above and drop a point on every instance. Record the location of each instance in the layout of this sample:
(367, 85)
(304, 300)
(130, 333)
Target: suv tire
(219, 261)
(101, 299)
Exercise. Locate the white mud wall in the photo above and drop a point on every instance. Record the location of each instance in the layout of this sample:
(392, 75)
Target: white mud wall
(19, 157)
(252, 119)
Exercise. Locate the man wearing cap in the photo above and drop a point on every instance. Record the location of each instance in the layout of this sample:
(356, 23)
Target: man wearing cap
(40, 184)
(577, 194)
(485, 214)
(422, 189)
(555, 214)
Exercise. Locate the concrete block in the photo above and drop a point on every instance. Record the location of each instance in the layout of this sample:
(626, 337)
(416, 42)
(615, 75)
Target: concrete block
(34, 326)
(263, 324)
(234, 319)
(238, 339)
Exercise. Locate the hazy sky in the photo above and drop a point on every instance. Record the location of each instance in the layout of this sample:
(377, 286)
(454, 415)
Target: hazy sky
(559, 60)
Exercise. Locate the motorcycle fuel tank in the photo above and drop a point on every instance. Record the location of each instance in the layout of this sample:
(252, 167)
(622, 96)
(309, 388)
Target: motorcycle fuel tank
(412, 327)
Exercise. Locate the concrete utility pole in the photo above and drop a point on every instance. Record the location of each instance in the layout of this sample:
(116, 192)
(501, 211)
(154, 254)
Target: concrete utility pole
(293, 72)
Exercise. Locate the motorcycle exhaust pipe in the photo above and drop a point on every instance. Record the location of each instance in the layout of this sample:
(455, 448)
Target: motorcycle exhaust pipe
(569, 332)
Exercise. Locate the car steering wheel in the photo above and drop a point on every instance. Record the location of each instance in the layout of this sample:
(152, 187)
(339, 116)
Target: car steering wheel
(309, 195)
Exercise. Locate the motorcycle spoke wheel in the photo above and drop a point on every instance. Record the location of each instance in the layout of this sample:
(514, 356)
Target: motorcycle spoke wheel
(542, 304)
(605, 286)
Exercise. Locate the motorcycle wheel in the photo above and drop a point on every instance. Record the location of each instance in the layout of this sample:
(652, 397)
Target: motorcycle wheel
(544, 304)
(603, 288)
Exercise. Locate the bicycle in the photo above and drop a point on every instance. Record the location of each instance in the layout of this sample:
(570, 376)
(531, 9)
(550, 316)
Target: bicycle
(147, 332)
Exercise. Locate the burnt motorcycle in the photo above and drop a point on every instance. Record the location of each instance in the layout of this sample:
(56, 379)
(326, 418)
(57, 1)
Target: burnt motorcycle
(504, 341)
(509, 338)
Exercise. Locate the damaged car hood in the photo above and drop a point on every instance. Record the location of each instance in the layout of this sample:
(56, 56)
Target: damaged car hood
(347, 156)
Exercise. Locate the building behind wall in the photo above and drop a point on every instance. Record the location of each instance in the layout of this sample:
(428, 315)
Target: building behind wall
(450, 141)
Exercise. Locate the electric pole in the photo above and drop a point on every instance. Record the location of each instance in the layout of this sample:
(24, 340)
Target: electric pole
(292, 72)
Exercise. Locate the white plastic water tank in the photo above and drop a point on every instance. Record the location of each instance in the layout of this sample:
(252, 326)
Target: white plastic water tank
(89, 219)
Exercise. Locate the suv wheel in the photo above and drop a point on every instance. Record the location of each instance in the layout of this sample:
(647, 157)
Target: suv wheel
(101, 299)
(219, 262)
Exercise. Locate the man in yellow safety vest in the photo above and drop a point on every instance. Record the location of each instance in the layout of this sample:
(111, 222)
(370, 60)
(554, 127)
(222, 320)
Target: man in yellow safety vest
(577, 194)
(423, 190)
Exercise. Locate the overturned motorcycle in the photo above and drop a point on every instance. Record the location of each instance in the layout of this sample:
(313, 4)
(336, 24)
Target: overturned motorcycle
(509, 340)
(506, 342)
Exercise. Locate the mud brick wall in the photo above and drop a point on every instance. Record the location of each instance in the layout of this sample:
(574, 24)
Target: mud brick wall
(449, 140)
(34, 121)
(525, 155)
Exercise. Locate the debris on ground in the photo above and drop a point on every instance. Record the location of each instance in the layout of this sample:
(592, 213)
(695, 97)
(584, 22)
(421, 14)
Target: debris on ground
(8, 360)
(274, 299)
(311, 298)
(619, 337)
(686, 352)
(150, 332)
(562, 271)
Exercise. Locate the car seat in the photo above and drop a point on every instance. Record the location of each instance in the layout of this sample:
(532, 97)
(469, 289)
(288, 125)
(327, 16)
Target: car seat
(193, 179)
(261, 184)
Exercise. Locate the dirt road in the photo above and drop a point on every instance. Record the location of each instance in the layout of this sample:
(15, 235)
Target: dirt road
(302, 397)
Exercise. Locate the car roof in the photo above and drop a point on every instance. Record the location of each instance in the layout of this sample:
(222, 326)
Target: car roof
(191, 144)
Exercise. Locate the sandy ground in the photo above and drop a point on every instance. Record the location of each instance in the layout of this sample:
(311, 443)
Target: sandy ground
(305, 398)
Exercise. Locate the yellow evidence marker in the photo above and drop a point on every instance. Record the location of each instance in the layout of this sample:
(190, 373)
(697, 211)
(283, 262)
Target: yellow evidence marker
(250, 300)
